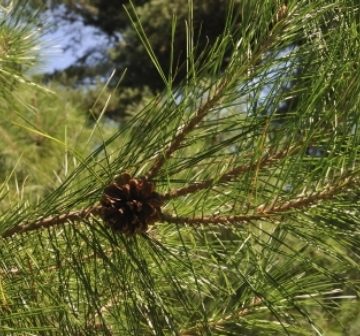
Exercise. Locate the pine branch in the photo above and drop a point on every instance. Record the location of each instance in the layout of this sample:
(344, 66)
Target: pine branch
(210, 103)
(186, 129)
(265, 210)
(230, 175)
(161, 158)
(50, 221)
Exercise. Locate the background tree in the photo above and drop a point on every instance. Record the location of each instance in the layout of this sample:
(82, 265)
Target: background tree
(43, 133)
(166, 37)
(204, 214)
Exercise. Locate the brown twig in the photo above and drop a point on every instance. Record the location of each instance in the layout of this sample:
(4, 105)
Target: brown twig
(187, 128)
(211, 219)
(305, 200)
(228, 176)
(50, 221)
(265, 210)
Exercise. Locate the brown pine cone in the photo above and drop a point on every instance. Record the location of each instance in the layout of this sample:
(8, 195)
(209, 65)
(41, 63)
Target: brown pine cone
(129, 205)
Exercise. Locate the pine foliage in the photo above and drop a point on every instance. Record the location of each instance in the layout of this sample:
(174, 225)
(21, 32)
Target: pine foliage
(258, 228)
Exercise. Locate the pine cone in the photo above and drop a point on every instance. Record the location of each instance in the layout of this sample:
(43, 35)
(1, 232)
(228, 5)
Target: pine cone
(129, 205)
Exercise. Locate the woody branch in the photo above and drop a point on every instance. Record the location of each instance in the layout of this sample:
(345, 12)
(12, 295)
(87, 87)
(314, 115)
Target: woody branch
(187, 128)
(267, 210)
(229, 175)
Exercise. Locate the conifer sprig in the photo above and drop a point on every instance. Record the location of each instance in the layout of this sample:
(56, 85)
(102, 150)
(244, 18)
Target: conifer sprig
(263, 131)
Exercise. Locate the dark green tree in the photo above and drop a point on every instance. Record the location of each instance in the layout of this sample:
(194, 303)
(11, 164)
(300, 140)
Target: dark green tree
(166, 24)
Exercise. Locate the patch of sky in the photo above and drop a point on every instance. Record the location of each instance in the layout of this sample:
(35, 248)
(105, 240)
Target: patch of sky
(263, 91)
(64, 42)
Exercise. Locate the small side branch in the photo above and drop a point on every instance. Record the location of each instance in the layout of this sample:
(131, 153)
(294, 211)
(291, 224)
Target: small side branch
(211, 219)
(303, 201)
(228, 176)
(50, 221)
(162, 157)
(268, 210)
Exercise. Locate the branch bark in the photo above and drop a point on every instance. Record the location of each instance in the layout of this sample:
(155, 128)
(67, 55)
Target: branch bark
(50, 221)
(266, 210)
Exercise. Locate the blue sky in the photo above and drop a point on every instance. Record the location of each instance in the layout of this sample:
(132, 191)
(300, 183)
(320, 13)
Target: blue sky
(55, 51)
